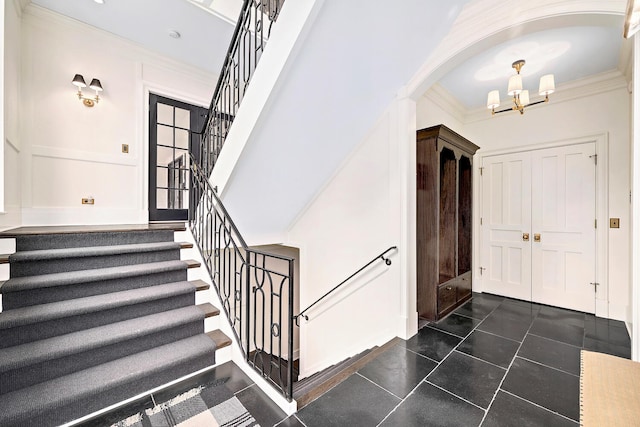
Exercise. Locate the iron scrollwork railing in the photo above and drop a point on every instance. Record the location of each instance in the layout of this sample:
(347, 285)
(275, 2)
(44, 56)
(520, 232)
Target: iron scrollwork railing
(247, 44)
(387, 261)
(255, 288)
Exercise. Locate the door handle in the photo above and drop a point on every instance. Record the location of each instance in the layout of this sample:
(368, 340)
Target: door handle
(536, 237)
(525, 237)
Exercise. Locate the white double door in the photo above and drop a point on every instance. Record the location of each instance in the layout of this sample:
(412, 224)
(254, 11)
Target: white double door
(538, 226)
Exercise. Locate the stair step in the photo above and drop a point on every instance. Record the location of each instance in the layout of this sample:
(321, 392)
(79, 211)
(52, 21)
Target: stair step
(30, 238)
(208, 310)
(220, 338)
(201, 285)
(18, 326)
(28, 364)
(48, 261)
(4, 259)
(46, 288)
(192, 263)
(70, 397)
(309, 389)
(186, 245)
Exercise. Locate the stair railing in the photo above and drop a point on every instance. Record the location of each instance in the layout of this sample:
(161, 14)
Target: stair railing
(247, 44)
(387, 261)
(255, 288)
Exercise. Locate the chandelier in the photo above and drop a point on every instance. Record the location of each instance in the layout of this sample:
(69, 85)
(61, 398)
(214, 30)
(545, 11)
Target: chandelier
(520, 96)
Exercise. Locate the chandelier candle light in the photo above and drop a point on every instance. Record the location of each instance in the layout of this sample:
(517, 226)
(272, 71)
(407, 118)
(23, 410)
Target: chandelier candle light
(520, 97)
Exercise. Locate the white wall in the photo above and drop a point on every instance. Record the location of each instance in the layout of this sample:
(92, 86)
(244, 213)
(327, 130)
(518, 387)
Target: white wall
(601, 113)
(70, 151)
(10, 202)
(351, 221)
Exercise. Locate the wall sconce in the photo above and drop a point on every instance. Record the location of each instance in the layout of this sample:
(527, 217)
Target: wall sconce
(79, 82)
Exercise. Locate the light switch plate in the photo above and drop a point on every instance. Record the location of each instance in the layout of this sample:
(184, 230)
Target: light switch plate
(125, 148)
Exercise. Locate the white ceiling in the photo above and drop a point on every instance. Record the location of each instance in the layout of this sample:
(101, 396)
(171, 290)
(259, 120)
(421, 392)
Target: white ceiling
(570, 53)
(206, 26)
(205, 35)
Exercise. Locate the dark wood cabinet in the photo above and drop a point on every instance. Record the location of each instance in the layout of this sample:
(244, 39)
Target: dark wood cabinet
(444, 199)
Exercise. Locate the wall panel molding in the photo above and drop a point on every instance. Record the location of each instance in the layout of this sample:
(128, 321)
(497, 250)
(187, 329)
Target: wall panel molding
(85, 156)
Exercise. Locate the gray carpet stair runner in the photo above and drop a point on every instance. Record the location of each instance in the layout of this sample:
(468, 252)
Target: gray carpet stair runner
(92, 319)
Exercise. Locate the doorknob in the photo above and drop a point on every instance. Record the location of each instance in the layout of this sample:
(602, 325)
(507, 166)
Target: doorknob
(525, 237)
(536, 237)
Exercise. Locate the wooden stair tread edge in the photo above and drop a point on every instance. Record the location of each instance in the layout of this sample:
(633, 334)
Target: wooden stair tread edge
(220, 338)
(186, 245)
(208, 309)
(4, 259)
(200, 284)
(317, 391)
(192, 263)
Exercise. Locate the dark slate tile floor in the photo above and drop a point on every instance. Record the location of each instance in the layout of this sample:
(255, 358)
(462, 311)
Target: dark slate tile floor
(493, 362)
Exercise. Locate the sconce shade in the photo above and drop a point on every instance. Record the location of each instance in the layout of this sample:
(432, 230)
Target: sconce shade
(515, 85)
(547, 85)
(78, 81)
(95, 85)
(524, 97)
(493, 99)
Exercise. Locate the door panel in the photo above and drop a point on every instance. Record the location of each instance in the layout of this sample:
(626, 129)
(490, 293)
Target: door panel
(564, 212)
(506, 200)
(550, 193)
(173, 131)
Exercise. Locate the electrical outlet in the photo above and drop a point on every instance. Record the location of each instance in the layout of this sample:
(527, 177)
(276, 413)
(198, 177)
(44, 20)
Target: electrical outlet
(88, 201)
(125, 148)
(614, 222)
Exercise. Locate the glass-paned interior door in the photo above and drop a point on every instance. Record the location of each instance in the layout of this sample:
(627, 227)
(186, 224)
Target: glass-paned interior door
(173, 130)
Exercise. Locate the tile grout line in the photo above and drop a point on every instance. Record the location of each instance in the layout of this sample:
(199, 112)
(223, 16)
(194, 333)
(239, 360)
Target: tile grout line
(508, 369)
(403, 400)
(378, 385)
(455, 395)
(539, 406)
(547, 366)
(496, 335)
(422, 355)
(475, 327)
(480, 360)
(554, 340)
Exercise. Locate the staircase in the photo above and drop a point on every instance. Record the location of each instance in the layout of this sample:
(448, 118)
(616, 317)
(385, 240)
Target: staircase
(91, 319)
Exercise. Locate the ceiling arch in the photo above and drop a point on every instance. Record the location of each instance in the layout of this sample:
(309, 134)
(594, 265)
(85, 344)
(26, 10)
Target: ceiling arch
(483, 24)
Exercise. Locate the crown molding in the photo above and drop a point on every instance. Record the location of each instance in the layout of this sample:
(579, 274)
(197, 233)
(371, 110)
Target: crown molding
(42, 17)
(625, 59)
(446, 101)
(588, 86)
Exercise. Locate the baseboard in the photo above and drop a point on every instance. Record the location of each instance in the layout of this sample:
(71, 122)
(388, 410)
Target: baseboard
(11, 218)
(618, 312)
(85, 215)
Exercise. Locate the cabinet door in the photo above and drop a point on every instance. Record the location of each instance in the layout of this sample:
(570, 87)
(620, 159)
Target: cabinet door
(506, 216)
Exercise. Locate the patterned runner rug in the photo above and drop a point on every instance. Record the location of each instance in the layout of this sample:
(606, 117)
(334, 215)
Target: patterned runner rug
(209, 406)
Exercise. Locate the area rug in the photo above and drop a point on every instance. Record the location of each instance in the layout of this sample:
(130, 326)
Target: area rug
(208, 406)
(609, 391)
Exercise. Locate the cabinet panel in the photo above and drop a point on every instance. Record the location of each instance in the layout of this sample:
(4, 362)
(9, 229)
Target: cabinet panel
(447, 298)
(448, 206)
